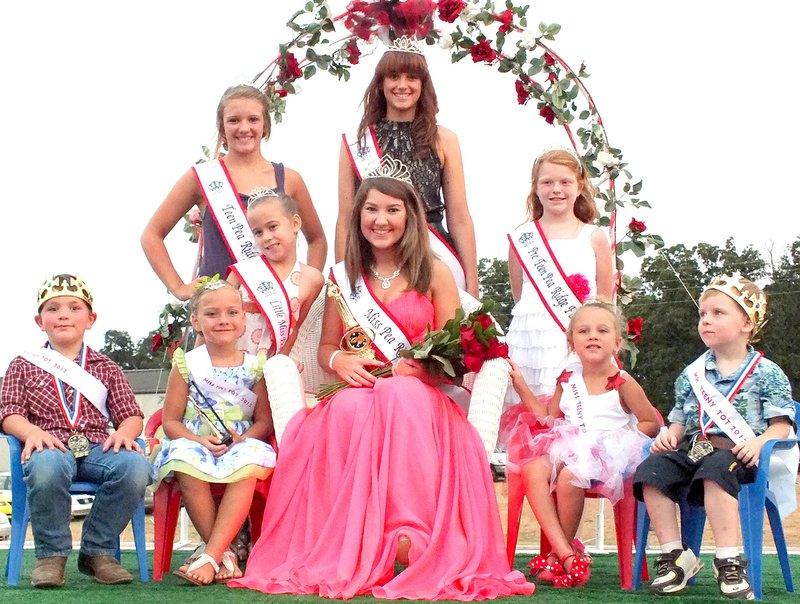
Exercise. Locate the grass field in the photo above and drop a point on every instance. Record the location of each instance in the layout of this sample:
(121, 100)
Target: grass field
(603, 588)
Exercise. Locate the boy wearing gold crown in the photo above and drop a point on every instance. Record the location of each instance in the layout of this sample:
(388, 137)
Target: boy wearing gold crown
(728, 403)
(57, 401)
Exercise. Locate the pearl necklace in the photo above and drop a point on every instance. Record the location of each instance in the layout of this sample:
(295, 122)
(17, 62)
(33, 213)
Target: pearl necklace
(385, 280)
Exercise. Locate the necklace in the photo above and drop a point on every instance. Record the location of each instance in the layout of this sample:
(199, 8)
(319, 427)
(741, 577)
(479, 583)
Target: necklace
(385, 280)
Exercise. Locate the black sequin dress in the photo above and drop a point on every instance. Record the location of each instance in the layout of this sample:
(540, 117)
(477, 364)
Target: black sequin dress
(397, 140)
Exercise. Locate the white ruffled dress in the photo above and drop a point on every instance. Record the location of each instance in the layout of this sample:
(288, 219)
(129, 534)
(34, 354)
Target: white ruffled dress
(534, 340)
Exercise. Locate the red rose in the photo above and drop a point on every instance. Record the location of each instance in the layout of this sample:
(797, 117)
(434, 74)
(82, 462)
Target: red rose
(473, 362)
(549, 59)
(482, 51)
(635, 329)
(497, 349)
(281, 92)
(413, 18)
(548, 114)
(353, 53)
(551, 77)
(522, 93)
(158, 342)
(637, 226)
(291, 68)
(450, 9)
(505, 18)
(484, 321)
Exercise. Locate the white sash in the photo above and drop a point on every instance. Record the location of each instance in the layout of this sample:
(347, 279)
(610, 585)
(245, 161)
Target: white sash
(783, 464)
(199, 364)
(573, 399)
(226, 209)
(267, 291)
(367, 158)
(718, 406)
(390, 338)
(64, 369)
(544, 272)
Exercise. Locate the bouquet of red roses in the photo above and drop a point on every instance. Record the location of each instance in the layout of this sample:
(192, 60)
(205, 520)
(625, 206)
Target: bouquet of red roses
(461, 346)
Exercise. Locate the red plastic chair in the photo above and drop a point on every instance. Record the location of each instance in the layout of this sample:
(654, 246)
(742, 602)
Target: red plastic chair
(625, 511)
(624, 523)
(167, 504)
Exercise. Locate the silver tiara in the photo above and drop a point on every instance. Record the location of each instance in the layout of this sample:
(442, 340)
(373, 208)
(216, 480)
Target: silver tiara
(260, 192)
(391, 168)
(404, 44)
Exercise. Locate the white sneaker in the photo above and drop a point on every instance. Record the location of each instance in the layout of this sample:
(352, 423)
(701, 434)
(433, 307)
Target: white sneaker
(732, 578)
(673, 571)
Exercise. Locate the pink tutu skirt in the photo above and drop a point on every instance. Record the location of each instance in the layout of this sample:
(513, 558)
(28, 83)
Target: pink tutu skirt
(600, 460)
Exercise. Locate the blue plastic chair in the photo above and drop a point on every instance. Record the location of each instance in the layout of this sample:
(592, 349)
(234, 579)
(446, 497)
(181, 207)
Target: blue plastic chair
(20, 515)
(754, 499)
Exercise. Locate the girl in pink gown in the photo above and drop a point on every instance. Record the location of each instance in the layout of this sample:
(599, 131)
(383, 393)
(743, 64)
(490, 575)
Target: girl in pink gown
(388, 469)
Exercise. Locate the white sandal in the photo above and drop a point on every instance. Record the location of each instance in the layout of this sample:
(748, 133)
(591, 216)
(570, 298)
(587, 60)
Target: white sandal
(199, 562)
(229, 562)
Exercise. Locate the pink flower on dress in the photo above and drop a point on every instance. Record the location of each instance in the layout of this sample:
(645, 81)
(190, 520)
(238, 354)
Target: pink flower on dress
(579, 285)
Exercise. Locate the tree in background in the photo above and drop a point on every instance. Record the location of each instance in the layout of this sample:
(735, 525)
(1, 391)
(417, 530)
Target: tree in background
(783, 326)
(495, 284)
(119, 347)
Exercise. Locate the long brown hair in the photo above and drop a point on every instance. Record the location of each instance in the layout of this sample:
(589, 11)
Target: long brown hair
(242, 91)
(585, 208)
(414, 256)
(423, 127)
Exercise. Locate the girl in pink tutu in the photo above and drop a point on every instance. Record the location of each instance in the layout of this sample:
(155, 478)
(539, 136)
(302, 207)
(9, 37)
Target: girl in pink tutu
(388, 469)
(593, 433)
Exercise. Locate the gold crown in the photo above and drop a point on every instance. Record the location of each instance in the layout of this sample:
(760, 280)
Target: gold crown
(64, 285)
(390, 168)
(746, 294)
(404, 44)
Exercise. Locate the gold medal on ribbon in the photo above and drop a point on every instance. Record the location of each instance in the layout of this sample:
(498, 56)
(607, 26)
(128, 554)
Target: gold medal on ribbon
(79, 445)
(700, 448)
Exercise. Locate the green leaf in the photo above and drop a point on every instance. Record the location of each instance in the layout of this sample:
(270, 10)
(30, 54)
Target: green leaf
(309, 72)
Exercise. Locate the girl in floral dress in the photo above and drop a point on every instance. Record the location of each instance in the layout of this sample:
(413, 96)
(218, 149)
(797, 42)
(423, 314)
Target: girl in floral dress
(228, 388)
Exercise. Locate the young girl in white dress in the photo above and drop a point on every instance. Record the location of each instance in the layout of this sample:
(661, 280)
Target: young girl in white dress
(229, 389)
(561, 213)
(275, 221)
(593, 434)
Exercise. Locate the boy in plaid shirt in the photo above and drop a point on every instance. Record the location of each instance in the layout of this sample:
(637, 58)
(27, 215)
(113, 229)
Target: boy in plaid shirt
(58, 401)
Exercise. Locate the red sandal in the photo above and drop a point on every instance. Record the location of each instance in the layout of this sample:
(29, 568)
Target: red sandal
(579, 571)
(544, 568)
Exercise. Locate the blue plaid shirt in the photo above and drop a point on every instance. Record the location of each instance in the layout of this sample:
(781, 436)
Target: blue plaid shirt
(764, 395)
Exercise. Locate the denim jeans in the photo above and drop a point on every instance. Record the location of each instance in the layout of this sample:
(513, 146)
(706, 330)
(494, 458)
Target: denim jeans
(49, 473)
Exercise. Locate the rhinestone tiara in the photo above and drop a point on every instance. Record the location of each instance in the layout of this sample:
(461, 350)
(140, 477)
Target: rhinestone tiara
(260, 192)
(390, 168)
(404, 44)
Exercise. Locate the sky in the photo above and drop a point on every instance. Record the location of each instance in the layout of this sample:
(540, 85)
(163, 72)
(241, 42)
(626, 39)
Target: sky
(106, 104)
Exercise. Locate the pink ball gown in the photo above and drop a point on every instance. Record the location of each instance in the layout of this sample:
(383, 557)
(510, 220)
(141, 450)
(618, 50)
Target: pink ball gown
(357, 472)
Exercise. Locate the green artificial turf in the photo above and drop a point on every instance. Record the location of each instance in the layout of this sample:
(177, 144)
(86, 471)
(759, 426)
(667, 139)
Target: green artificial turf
(603, 588)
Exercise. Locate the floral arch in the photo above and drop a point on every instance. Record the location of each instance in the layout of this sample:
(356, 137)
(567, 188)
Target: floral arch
(489, 36)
